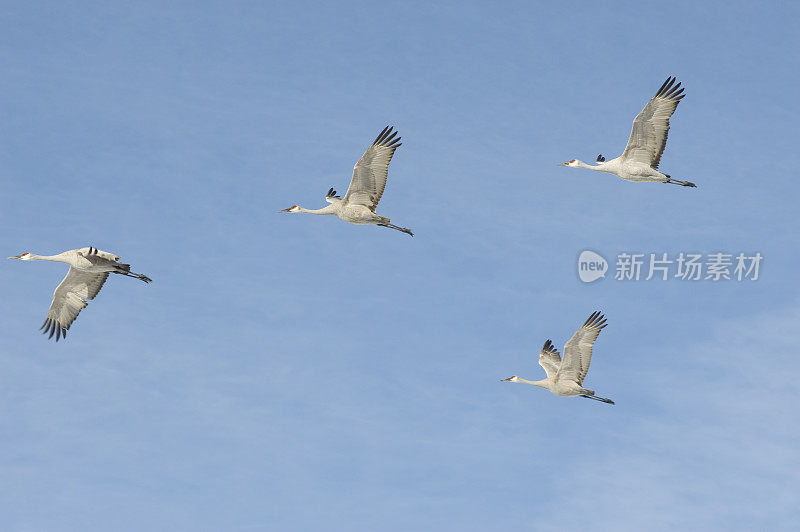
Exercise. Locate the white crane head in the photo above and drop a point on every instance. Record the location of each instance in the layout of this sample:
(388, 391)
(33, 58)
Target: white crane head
(573, 162)
(22, 256)
(513, 378)
(293, 208)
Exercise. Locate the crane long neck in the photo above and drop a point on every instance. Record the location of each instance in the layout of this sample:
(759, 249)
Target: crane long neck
(540, 384)
(55, 258)
(596, 168)
(325, 210)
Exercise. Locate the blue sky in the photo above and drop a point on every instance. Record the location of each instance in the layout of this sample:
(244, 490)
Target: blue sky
(299, 373)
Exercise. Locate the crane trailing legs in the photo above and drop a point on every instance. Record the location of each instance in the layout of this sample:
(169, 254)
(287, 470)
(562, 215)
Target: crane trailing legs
(397, 227)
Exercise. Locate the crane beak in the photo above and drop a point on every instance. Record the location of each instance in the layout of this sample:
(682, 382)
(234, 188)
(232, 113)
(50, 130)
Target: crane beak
(562, 164)
(508, 379)
(16, 257)
(286, 210)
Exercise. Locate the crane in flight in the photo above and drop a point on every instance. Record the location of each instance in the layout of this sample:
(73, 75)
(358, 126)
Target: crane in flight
(88, 271)
(639, 161)
(366, 187)
(565, 377)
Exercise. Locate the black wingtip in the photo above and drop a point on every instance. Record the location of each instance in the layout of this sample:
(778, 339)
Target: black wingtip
(387, 138)
(382, 134)
(658, 92)
(671, 91)
(596, 319)
(549, 347)
(54, 328)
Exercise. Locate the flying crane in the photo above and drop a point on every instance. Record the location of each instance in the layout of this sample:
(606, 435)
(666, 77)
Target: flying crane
(88, 271)
(366, 187)
(639, 161)
(565, 377)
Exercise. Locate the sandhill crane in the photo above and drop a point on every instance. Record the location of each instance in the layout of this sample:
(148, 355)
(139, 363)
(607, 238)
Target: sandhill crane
(366, 187)
(565, 377)
(639, 161)
(88, 271)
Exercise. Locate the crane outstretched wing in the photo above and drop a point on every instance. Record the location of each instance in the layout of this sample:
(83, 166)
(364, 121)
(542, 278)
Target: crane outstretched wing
(371, 171)
(549, 359)
(578, 350)
(70, 298)
(651, 126)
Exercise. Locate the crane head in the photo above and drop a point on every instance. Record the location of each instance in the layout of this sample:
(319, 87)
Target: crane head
(22, 256)
(512, 379)
(293, 208)
(573, 162)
